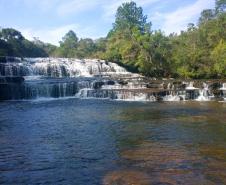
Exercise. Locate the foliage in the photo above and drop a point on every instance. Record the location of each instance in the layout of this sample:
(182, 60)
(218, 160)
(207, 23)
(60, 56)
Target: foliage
(198, 52)
(129, 16)
(14, 44)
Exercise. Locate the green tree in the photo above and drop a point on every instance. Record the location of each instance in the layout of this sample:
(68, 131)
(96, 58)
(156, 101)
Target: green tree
(68, 45)
(124, 44)
(220, 6)
(219, 57)
(14, 44)
(9, 34)
(129, 15)
(85, 48)
(206, 15)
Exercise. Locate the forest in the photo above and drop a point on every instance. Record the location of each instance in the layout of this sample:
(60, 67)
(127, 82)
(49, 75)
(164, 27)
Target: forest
(198, 52)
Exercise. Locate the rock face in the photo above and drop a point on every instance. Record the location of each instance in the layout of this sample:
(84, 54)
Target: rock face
(11, 79)
(9, 86)
(31, 78)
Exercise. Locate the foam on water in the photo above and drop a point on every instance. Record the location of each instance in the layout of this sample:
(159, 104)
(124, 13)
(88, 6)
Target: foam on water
(50, 78)
(190, 86)
(223, 88)
(60, 67)
(171, 98)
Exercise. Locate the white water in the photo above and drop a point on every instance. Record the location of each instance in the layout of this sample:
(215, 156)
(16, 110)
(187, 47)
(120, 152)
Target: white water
(58, 78)
(171, 97)
(223, 88)
(204, 94)
(62, 67)
(190, 86)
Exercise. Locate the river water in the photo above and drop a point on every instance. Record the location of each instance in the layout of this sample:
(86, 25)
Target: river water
(92, 142)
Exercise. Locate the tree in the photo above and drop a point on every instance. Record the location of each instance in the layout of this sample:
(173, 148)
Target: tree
(219, 57)
(220, 6)
(85, 48)
(70, 40)
(13, 43)
(5, 48)
(9, 34)
(68, 45)
(129, 15)
(100, 45)
(206, 15)
(125, 41)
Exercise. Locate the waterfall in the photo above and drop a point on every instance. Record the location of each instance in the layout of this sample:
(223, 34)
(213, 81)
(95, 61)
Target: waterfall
(60, 67)
(223, 88)
(115, 94)
(34, 78)
(204, 94)
(172, 97)
(190, 86)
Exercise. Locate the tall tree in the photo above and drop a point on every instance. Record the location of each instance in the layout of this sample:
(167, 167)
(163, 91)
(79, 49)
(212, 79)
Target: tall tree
(206, 15)
(68, 45)
(129, 15)
(219, 57)
(220, 6)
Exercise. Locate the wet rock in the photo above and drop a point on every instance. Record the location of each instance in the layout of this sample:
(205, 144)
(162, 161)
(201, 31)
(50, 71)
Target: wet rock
(5, 92)
(3, 60)
(154, 85)
(98, 84)
(13, 79)
(192, 94)
(110, 82)
(122, 82)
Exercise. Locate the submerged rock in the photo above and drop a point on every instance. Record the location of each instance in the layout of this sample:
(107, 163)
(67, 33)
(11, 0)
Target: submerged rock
(98, 85)
(127, 177)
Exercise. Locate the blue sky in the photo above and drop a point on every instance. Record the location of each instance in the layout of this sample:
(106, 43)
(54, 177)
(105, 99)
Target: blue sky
(49, 20)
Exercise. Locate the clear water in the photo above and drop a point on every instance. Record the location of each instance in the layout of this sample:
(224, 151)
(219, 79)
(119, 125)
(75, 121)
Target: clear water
(94, 142)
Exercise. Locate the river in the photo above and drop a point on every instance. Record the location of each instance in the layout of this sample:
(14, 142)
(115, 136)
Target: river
(92, 142)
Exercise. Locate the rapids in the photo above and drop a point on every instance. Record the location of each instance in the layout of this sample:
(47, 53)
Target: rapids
(34, 78)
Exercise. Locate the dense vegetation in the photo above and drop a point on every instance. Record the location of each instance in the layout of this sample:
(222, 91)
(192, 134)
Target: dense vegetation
(12, 43)
(198, 52)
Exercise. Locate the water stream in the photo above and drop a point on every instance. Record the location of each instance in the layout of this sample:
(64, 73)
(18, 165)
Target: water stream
(61, 77)
(54, 129)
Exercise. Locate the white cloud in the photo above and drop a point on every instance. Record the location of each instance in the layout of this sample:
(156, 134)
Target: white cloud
(179, 19)
(169, 22)
(109, 9)
(54, 35)
(77, 6)
(43, 5)
(50, 35)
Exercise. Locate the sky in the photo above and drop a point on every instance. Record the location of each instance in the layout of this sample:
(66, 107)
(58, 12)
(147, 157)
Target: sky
(50, 20)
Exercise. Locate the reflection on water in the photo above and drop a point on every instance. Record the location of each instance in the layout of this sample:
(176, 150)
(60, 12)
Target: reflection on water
(104, 142)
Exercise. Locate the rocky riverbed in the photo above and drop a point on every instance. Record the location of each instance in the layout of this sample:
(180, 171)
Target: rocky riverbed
(32, 78)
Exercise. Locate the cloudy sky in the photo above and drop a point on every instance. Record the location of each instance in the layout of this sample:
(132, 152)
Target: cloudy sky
(49, 20)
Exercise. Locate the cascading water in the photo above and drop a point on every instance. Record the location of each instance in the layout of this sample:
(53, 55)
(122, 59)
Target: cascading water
(223, 90)
(172, 97)
(204, 93)
(190, 86)
(59, 67)
(33, 78)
